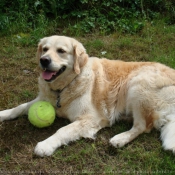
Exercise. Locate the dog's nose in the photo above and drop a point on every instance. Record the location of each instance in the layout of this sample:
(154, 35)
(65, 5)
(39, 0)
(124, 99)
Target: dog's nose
(45, 61)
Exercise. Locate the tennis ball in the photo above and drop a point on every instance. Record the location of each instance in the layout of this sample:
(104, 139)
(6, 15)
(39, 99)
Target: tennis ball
(41, 114)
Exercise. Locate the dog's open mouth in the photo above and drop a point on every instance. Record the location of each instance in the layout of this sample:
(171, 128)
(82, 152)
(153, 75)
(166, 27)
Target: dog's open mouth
(51, 75)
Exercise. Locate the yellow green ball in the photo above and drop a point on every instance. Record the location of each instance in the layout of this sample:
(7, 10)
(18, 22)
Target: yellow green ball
(41, 114)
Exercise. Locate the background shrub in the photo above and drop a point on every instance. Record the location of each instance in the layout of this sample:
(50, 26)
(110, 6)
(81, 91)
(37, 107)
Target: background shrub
(83, 16)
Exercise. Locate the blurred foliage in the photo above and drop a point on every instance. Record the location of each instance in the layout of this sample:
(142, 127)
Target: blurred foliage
(84, 16)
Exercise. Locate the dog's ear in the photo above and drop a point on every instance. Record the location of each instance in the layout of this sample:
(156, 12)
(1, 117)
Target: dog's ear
(81, 57)
(39, 51)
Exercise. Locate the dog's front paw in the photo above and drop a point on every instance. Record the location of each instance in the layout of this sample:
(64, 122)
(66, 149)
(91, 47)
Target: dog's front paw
(4, 115)
(46, 147)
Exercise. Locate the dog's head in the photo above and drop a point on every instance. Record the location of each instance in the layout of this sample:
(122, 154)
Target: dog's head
(58, 55)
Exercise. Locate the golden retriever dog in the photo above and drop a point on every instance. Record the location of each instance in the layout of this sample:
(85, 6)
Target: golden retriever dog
(93, 93)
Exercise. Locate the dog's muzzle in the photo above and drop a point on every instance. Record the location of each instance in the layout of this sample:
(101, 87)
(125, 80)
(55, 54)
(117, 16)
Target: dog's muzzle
(49, 75)
(45, 62)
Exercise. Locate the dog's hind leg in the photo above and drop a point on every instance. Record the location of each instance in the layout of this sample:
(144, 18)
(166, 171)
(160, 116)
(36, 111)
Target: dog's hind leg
(139, 126)
(138, 106)
(17, 111)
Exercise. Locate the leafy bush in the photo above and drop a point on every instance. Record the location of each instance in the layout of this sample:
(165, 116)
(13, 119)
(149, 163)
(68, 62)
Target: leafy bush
(84, 16)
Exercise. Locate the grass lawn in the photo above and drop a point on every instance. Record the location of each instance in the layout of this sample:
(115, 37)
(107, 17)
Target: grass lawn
(18, 84)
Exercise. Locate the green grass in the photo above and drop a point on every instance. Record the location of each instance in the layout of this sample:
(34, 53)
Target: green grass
(18, 137)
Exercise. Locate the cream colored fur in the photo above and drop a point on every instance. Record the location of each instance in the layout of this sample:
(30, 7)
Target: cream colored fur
(95, 92)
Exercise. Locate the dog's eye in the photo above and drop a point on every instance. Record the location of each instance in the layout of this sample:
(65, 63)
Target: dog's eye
(61, 51)
(45, 49)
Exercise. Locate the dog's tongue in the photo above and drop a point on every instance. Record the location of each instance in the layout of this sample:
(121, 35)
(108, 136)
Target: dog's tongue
(47, 75)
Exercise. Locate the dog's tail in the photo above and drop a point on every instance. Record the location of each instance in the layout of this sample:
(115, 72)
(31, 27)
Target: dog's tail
(168, 135)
